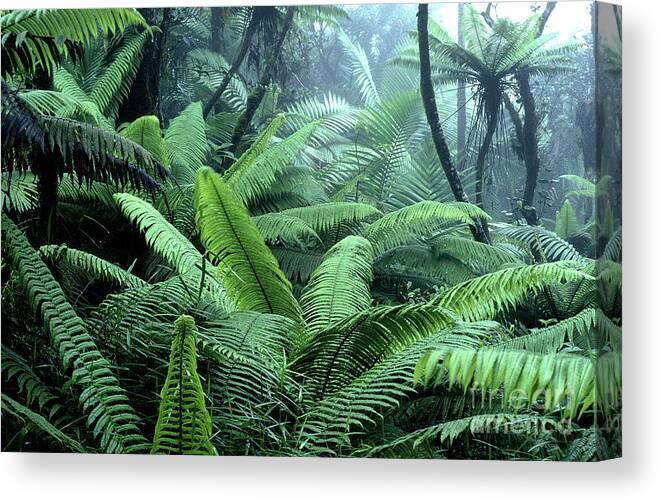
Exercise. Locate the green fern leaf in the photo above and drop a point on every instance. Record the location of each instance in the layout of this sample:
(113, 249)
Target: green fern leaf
(246, 267)
(184, 425)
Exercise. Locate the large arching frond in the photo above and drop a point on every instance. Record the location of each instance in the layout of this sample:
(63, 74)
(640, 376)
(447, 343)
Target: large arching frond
(246, 266)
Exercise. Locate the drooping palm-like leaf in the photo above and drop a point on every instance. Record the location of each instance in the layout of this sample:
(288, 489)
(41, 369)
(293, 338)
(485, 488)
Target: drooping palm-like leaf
(246, 266)
(184, 424)
(340, 286)
(110, 416)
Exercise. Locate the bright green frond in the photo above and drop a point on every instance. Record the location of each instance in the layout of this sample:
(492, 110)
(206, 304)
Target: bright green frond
(246, 267)
(146, 131)
(184, 424)
(340, 286)
(484, 297)
(421, 219)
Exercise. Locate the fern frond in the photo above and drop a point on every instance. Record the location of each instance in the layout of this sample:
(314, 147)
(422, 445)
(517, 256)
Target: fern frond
(146, 131)
(484, 297)
(94, 266)
(110, 416)
(324, 217)
(32, 419)
(447, 432)
(173, 247)
(590, 329)
(42, 37)
(563, 382)
(246, 267)
(184, 424)
(340, 286)
(421, 219)
(543, 243)
(252, 179)
(345, 349)
(114, 84)
(480, 257)
(281, 228)
(566, 224)
(186, 141)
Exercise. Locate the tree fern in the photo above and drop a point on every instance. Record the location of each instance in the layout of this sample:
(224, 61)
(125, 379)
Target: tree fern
(246, 267)
(184, 425)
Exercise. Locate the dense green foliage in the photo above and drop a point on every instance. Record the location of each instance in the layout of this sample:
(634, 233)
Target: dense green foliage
(289, 273)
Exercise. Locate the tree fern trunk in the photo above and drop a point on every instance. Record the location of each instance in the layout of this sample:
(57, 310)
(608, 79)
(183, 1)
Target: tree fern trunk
(479, 230)
(530, 150)
(481, 158)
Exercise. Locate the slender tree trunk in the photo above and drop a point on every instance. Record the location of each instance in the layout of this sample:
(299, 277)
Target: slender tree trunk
(481, 159)
(530, 150)
(238, 60)
(145, 95)
(461, 90)
(480, 231)
(256, 96)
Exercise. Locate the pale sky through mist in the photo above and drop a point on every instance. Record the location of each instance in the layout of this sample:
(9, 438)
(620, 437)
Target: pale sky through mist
(568, 18)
